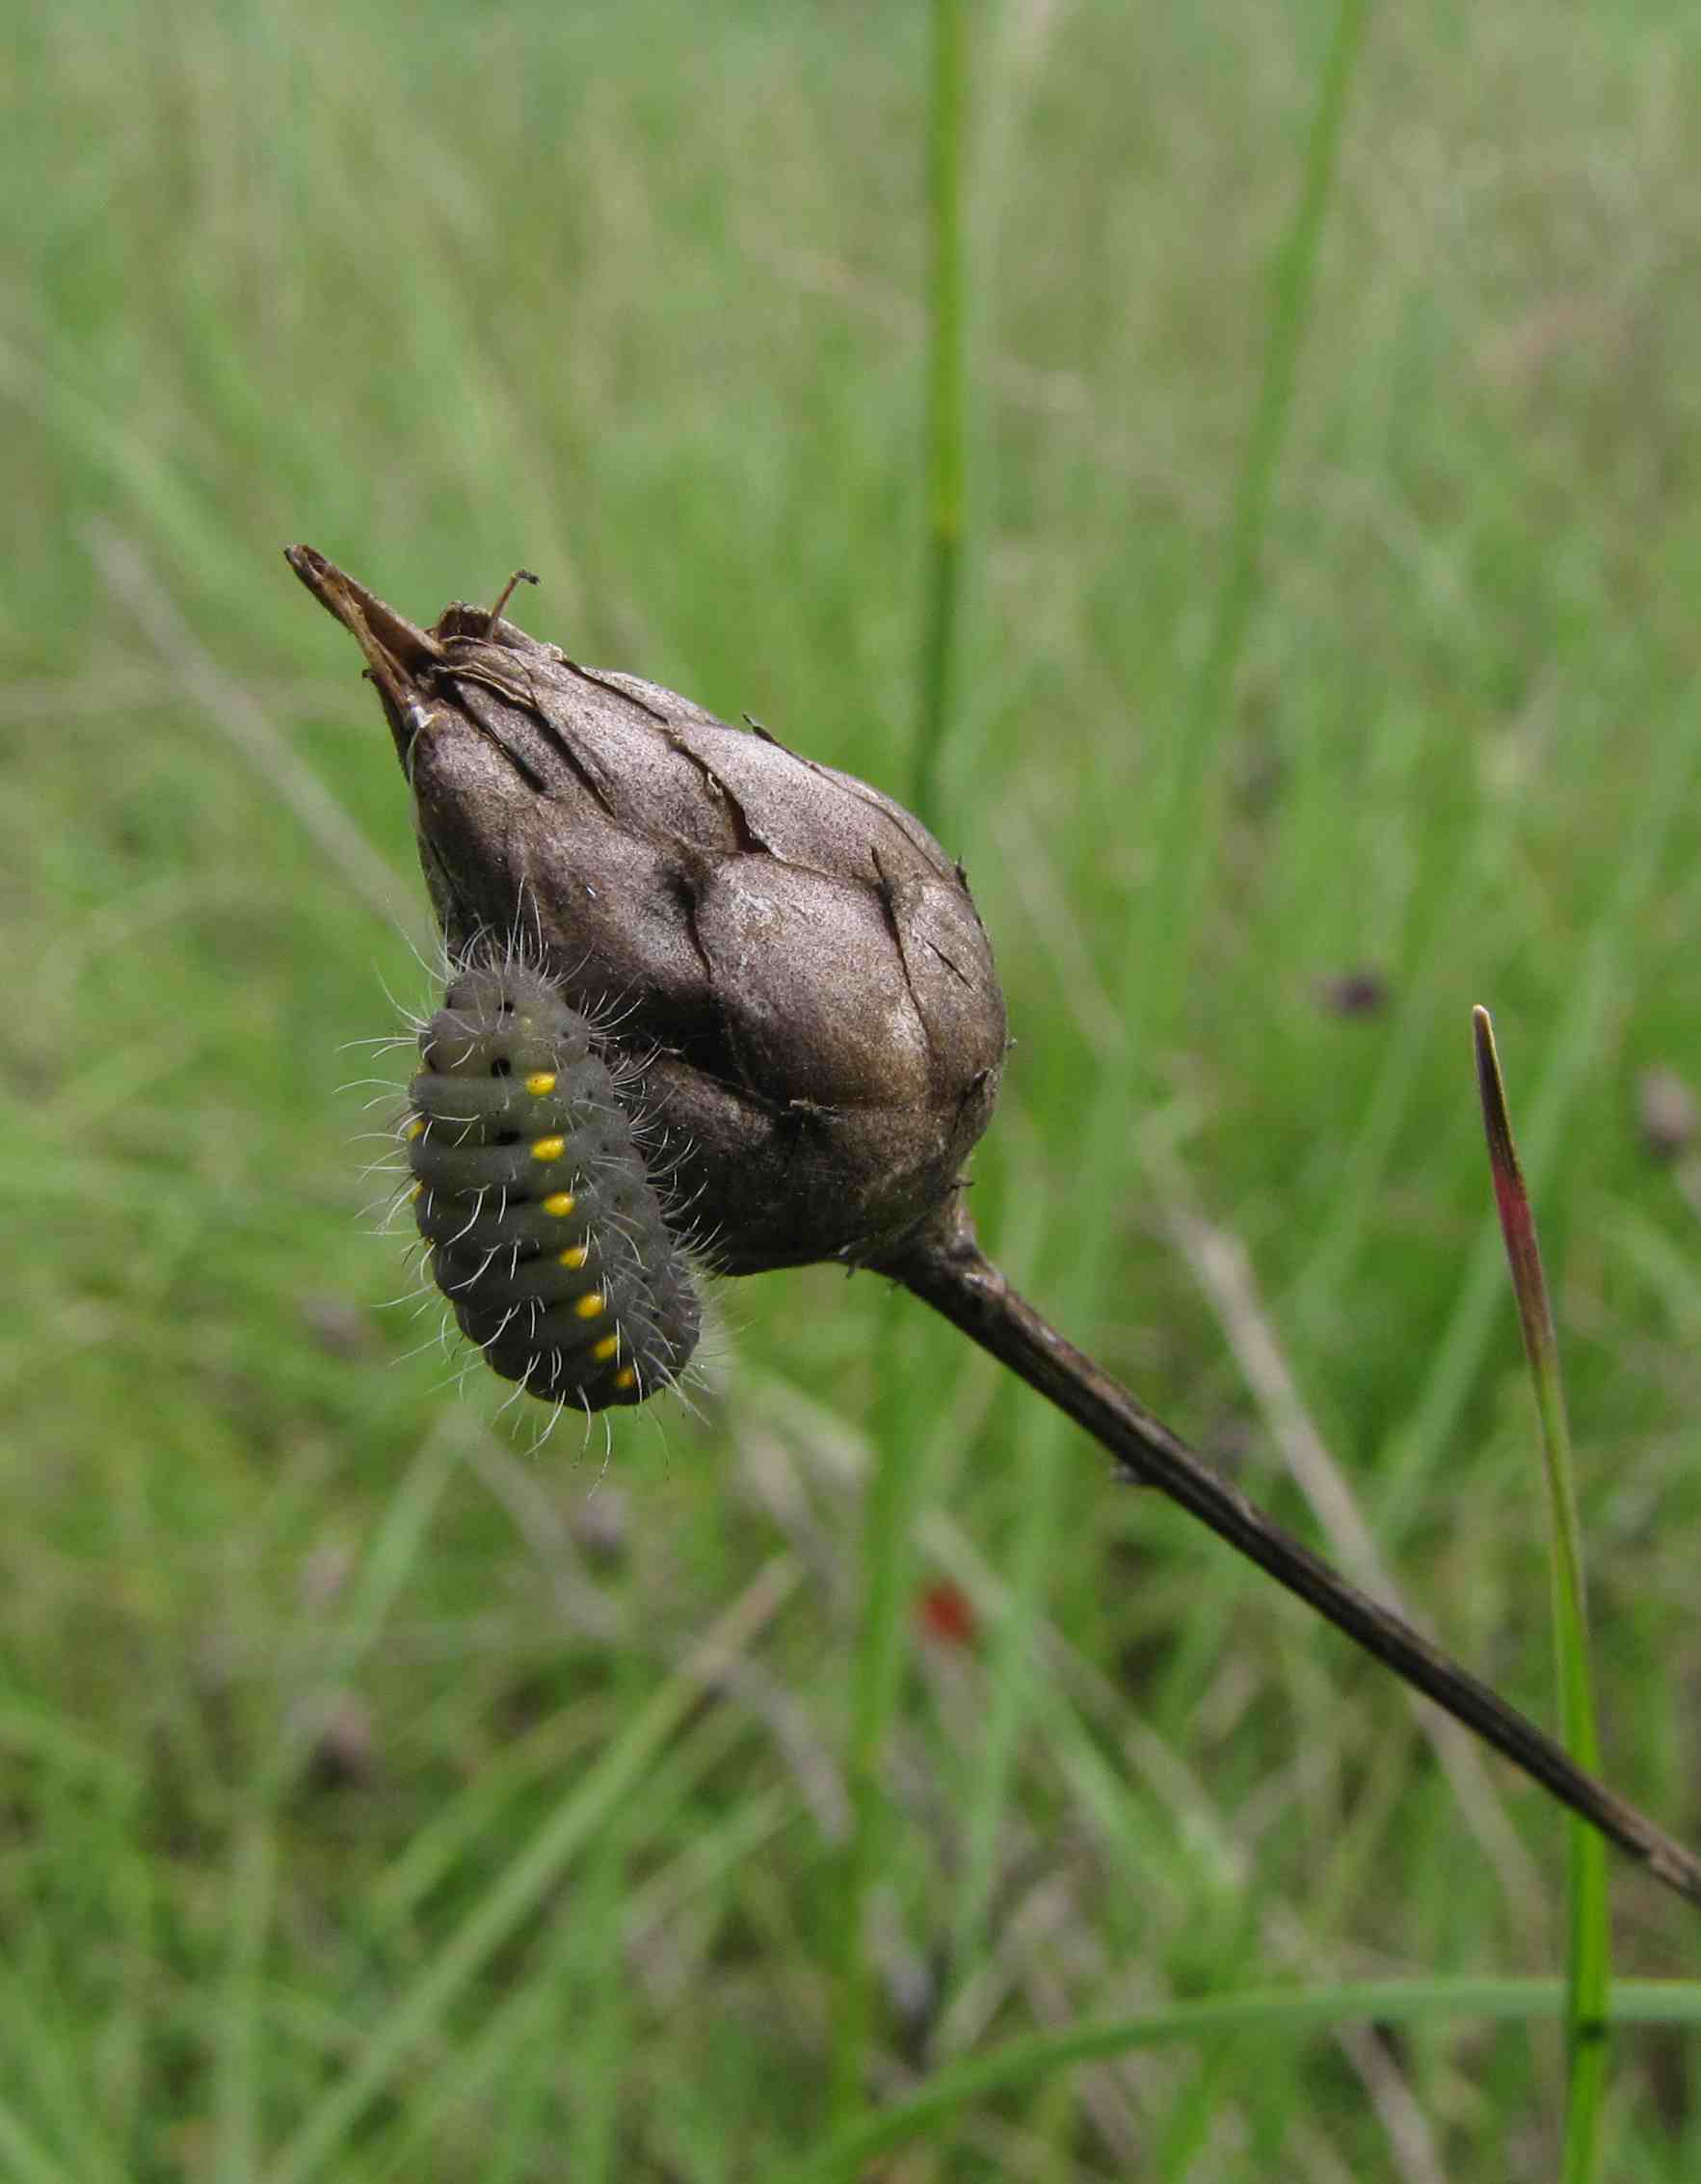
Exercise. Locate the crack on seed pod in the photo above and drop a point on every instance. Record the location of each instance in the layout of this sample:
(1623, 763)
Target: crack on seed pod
(746, 838)
(610, 683)
(443, 680)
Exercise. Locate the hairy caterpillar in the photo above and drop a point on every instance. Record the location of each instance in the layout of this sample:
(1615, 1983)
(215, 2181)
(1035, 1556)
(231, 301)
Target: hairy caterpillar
(543, 1227)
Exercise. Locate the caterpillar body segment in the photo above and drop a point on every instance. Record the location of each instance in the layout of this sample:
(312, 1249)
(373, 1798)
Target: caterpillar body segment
(543, 1227)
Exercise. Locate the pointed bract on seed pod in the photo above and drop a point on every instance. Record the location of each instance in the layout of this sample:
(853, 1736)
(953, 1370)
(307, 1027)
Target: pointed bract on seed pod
(792, 957)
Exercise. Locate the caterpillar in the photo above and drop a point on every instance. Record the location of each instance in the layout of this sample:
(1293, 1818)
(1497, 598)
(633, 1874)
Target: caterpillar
(543, 1227)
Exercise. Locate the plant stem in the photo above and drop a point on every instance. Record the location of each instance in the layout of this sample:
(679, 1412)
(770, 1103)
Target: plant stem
(1589, 1963)
(943, 1265)
(1266, 2015)
(945, 399)
(1186, 822)
(888, 1509)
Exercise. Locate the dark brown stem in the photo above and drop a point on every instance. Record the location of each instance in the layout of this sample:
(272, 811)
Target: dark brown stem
(944, 1265)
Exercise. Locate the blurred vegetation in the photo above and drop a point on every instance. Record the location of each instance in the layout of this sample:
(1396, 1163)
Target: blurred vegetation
(384, 1798)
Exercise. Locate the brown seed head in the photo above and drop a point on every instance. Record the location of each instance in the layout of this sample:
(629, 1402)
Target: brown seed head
(792, 951)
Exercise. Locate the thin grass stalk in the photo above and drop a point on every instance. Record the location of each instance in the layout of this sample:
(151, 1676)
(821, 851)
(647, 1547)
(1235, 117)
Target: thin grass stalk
(946, 400)
(25, 2159)
(1589, 1931)
(894, 1482)
(1152, 976)
(601, 2037)
(1263, 2013)
(1186, 832)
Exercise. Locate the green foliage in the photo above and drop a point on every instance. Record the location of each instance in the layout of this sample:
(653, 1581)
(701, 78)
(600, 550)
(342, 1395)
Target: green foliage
(1588, 1916)
(347, 1744)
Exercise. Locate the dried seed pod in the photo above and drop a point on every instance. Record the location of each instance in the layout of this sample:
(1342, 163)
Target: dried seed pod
(794, 956)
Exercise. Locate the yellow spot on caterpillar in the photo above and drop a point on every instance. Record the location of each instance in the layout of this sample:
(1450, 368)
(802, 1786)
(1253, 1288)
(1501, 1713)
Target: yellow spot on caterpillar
(626, 1377)
(541, 1083)
(588, 1307)
(415, 1129)
(418, 1192)
(608, 1348)
(548, 1148)
(574, 1255)
(560, 1203)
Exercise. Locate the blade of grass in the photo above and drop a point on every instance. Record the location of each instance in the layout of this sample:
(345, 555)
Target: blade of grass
(894, 1487)
(1587, 1966)
(47, 2064)
(1263, 2011)
(944, 397)
(238, 714)
(399, 1541)
(24, 2157)
(1186, 838)
(602, 2034)
(526, 1882)
(485, 2061)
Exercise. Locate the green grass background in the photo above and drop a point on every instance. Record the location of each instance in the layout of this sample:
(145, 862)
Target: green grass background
(369, 1805)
